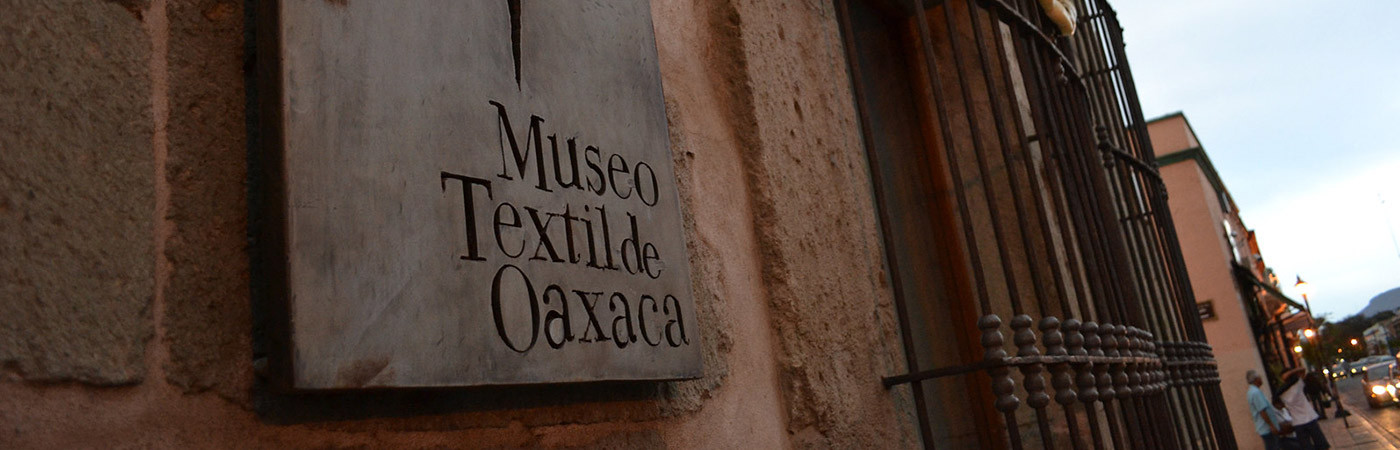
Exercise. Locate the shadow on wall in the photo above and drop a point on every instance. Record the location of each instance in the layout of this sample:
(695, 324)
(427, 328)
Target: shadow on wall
(295, 408)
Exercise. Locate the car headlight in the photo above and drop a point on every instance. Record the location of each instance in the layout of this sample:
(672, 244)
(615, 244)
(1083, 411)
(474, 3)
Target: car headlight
(1377, 390)
(1391, 389)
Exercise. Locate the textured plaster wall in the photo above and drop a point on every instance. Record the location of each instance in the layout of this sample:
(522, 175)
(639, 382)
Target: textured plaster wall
(817, 230)
(126, 317)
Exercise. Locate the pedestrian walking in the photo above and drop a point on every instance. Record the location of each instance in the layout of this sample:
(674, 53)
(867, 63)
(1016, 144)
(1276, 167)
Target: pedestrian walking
(1293, 393)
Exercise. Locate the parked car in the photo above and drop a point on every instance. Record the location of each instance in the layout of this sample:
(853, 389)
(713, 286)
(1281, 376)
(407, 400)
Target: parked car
(1351, 368)
(1381, 383)
(1359, 366)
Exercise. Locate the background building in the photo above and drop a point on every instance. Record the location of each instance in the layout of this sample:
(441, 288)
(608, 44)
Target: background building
(1378, 338)
(1249, 323)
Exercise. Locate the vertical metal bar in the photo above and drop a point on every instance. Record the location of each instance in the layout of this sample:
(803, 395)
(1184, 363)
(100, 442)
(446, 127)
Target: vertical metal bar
(1128, 302)
(1053, 111)
(1070, 161)
(994, 98)
(1045, 128)
(1061, 374)
(1008, 273)
(1060, 150)
(1005, 401)
(1107, 228)
(1066, 309)
(1087, 381)
(1066, 160)
(1114, 221)
(1121, 178)
(1110, 261)
(1223, 431)
(1036, 397)
(1103, 37)
(1180, 402)
(1077, 144)
(1197, 411)
(949, 146)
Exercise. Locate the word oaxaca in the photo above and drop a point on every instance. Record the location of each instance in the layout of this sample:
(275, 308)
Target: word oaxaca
(582, 234)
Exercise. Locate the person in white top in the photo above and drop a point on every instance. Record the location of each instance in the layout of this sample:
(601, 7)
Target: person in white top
(1305, 418)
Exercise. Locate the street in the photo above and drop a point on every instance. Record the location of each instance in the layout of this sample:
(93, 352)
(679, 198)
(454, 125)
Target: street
(1369, 428)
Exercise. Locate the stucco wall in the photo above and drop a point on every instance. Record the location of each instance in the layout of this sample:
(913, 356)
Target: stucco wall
(127, 318)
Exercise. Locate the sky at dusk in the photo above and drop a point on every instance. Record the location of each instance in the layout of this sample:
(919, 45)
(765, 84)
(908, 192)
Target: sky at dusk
(1296, 103)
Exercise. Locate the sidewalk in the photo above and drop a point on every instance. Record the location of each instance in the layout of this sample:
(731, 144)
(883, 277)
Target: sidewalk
(1363, 435)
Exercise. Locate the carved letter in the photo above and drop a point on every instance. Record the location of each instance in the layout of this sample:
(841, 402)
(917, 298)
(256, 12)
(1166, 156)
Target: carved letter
(496, 309)
(507, 135)
(588, 308)
(473, 253)
(614, 169)
(573, 181)
(642, 318)
(569, 218)
(596, 164)
(542, 229)
(637, 175)
(631, 247)
(592, 243)
(626, 315)
(561, 315)
(514, 223)
(678, 323)
(607, 239)
(650, 260)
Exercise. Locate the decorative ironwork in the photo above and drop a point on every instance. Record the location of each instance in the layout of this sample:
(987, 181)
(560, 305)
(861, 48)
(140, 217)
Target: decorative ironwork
(1059, 217)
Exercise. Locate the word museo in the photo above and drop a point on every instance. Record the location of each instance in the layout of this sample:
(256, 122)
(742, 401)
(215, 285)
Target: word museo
(513, 225)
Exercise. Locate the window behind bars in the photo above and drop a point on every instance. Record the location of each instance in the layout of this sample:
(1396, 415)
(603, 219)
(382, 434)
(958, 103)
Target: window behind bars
(1041, 293)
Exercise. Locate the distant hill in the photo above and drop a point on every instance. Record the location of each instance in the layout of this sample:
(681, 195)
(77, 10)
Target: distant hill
(1387, 301)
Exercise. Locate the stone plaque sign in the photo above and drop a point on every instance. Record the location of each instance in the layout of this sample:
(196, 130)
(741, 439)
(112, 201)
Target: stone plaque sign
(478, 193)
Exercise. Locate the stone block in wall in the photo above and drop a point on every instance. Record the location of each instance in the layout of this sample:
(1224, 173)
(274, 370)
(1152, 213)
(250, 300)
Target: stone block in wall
(832, 308)
(76, 192)
(207, 312)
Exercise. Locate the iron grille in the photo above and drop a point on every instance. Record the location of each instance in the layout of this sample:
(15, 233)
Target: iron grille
(1031, 151)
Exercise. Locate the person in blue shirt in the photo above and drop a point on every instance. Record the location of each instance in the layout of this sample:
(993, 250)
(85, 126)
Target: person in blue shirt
(1267, 420)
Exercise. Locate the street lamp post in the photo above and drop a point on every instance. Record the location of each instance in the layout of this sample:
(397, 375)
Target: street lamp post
(1309, 332)
(1304, 288)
